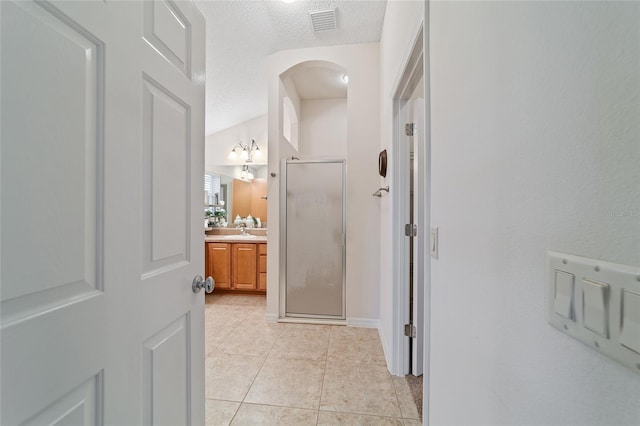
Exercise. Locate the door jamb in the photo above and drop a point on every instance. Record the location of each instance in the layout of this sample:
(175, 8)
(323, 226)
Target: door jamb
(407, 82)
(415, 67)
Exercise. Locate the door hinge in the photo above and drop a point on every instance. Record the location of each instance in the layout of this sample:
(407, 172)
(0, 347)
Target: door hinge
(411, 230)
(409, 129)
(410, 330)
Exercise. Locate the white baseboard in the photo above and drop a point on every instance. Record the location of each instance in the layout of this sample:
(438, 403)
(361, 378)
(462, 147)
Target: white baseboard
(363, 322)
(387, 352)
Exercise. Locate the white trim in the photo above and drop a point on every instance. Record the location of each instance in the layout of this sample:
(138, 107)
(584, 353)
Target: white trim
(427, 159)
(386, 350)
(407, 57)
(400, 349)
(363, 322)
(398, 357)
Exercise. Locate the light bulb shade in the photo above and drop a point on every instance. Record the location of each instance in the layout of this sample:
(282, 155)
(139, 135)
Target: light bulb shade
(257, 153)
(244, 154)
(233, 154)
(250, 176)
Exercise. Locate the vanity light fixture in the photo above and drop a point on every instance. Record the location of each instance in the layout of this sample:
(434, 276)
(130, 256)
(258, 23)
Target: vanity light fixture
(247, 152)
(246, 174)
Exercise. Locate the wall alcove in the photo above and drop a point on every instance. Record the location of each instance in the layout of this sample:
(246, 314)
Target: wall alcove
(314, 123)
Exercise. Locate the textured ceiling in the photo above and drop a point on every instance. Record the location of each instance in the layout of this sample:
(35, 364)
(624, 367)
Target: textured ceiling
(241, 34)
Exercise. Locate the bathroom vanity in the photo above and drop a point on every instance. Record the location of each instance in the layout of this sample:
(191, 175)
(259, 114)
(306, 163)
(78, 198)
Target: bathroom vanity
(237, 263)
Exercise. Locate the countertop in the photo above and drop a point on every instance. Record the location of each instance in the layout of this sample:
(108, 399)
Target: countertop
(233, 239)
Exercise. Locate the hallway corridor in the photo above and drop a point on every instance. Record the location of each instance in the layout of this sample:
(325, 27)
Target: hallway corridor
(259, 373)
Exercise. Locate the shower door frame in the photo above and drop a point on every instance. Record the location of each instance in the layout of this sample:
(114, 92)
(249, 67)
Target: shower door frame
(283, 243)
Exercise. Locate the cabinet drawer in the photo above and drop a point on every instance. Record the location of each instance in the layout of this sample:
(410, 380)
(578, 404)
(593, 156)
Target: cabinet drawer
(262, 263)
(262, 249)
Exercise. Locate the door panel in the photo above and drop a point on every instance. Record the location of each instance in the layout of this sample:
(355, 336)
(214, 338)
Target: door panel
(168, 31)
(101, 229)
(165, 179)
(50, 137)
(164, 360)
(78, 407)
(50, 224)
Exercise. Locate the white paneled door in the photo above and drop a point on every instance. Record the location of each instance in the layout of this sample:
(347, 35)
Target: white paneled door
(102, 133)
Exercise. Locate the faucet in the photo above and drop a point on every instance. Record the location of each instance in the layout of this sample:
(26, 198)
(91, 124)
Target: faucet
(243, 228)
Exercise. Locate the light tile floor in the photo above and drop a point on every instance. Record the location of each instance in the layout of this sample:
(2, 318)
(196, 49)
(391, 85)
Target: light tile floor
(260, 373)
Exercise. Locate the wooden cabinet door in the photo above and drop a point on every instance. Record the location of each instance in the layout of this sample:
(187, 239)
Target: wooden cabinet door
(218, 264)
(262, 267)
(244, 266)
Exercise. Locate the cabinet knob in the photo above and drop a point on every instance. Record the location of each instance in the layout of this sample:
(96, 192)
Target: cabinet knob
(200, 283)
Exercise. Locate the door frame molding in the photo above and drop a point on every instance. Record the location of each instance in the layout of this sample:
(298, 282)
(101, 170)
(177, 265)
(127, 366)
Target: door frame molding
(415, 67)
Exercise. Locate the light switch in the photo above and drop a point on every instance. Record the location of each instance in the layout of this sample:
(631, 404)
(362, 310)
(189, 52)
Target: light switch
(595, 297)
(630, 327)
(563, 299)
(603, 301)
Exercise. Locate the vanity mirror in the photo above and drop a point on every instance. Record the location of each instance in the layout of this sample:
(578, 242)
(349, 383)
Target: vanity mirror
(241, 197)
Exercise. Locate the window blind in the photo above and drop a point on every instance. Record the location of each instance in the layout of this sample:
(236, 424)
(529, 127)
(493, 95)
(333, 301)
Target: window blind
(211, 185)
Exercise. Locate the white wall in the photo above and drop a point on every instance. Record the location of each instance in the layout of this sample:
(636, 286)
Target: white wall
(293, 119)
(363, 139)
(535, 136)
(219, 145)
(323, 128)
(401, 26)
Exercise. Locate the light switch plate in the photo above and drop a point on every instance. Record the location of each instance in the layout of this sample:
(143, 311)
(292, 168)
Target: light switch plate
(605, 303)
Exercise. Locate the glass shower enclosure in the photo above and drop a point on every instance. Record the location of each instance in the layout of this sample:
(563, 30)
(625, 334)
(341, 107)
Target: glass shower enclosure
(313, 240)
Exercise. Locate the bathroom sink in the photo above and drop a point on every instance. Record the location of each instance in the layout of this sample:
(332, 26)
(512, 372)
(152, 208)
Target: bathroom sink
(240, 237)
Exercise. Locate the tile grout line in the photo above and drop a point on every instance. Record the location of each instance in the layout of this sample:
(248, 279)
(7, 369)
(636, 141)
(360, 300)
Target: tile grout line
(393, 383)
(253, 381)
(324, 374)
(250, 312)
(258, 373)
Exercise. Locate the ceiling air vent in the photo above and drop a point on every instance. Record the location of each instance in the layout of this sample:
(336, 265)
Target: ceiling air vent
(323, 20)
